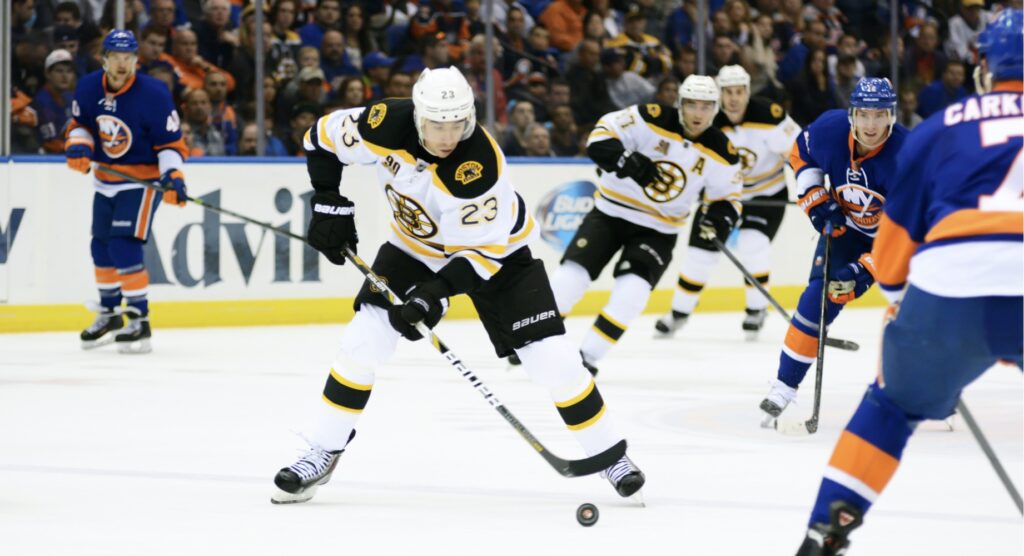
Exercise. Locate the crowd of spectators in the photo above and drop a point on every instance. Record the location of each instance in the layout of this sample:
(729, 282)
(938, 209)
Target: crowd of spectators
(559, 64)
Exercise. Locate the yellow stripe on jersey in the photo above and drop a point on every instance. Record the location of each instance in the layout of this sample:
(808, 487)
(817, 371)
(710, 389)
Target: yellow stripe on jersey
(497, 151)
(414, 243)
(479, 259)
(758, 125)
(492, 248)
(634, 204)
(753, 179)
(764, 186)
(714, 156)
(382, 152)
(524, 232)
(663, 132)
(325, 139)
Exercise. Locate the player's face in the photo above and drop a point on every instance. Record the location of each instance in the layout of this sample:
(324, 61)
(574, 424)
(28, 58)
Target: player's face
(871, 126)
(735, 99)
(441, 138)
(119, 67)
(697, 115)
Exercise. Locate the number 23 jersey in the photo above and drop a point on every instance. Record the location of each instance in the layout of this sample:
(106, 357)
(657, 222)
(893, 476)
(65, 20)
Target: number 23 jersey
(459, 206)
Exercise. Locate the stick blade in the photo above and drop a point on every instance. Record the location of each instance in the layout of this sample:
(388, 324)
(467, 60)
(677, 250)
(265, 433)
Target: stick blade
(797, 428)
(842, 344)
(587, 466)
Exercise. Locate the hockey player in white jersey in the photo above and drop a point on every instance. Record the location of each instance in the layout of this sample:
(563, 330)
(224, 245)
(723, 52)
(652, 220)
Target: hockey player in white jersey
(457, 226)
(763, 134)
(654, 163)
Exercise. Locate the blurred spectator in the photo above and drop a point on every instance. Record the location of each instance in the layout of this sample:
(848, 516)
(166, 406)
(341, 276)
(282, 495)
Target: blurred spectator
(789, 23)
(826, 12)
(944, 91)
(812, 92)
(543, 58)
(108, 22)
(537, 94)
(924, 60)
(161, 20)
(285, 43)
(477, 76)
(475, 19)
(593, 27)
(222, 114)
(523, 57)
(399, 85)
(351, 92)
(247, 142)
(501, 10)
(53, 101)
(377, 67)
(23, 18)
(152, 49)
(217, 42)
(538, 141)
(450, 26)
(24, 121)
(645, 55)
(564, 19)
(206, 138)
(724, 52)
(848, 45)
(334, 60)
(27, 67)
(611, 20)
(327, 17)
(432, 52)
(520, 117)
(310, 87)
(684, 63)
(243, 65)
(66, 38)
(813, 38)
(358, 41)
(585, 78)
(190, 66)
(668, 92)
(625, 88)
(738, 12)
(876, 62)
(845, 79)
(559, 93)
(165, 73)
(679, 31)
(186, 134)
(760, 55)
(964, 29)
(908, 116)
(564, 140)
(68, 14)
(303, 116)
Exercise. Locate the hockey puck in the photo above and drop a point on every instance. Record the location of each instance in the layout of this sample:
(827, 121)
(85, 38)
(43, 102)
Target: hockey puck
(587, 514)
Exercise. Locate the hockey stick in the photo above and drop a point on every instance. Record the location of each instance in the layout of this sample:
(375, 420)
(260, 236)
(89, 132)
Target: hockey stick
(990, 454)
(811, 425)
(847, 345)
(567, 468)
(768, 203)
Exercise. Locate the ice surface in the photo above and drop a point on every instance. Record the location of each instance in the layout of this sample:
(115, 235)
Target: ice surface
(174, 452)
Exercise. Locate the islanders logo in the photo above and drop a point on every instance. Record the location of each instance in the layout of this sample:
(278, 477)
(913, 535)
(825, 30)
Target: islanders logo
(862, 205)
(115, 136)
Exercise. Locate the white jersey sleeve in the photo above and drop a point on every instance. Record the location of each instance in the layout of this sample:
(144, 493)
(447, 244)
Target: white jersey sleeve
(338, 133)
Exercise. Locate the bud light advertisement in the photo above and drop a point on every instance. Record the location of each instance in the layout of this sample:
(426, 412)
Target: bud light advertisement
(561, 211)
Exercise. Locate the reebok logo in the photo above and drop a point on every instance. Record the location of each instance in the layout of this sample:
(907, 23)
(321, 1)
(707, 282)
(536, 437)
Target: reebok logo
(121, 223)
(334, 210)
(533, 320)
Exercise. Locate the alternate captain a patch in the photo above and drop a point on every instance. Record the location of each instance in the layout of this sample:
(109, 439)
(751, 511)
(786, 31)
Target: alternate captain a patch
(468, 172)
(377, 113)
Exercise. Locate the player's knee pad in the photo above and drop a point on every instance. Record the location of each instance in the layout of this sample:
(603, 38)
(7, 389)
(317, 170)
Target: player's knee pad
(629, 297)
(101, 253)
(555, 364)
(881, 414)
(568, 283)
(369, 340)
(126, 252)
(753, 244)
(644, 261)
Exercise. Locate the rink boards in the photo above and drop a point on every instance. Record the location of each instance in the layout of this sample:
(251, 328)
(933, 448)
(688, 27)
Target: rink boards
(212, 270)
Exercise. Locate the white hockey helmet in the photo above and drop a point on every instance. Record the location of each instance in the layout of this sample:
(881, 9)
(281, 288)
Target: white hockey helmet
(698, 87)
(733, 76)
(443, 95)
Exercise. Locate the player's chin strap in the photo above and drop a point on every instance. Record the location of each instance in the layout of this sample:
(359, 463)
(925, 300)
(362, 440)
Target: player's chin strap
(567, 468)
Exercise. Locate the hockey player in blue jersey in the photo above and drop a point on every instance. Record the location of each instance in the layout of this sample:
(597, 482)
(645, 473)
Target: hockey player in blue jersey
(126, 121)
(949, 256)
(844, 164)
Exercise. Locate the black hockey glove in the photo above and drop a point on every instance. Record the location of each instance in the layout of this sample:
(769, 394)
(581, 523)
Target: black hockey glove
(637, 167)
(425, 303)
(333, 226)
(717, 220)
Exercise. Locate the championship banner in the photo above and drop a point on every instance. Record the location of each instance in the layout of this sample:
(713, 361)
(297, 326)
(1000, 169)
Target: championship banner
(561, 211)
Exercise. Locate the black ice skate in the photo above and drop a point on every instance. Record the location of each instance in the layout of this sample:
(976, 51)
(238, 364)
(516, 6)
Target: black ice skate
(830, 539)
(135, 337)
(668, 324)
(101, 332)
(514, 360)
(298, 482)
(753, 323)
(625, 476)
(590, 367)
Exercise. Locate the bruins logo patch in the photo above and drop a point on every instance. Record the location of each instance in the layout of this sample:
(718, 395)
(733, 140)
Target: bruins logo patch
(377, 113)
(669, 184)
(410, 215)
(776, 110)
(469, 172)
(730, 147)
(654, 110)
(748, 159)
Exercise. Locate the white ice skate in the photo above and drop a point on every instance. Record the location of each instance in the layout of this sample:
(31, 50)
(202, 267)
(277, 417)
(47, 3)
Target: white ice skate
(773, 405)
(668, 324)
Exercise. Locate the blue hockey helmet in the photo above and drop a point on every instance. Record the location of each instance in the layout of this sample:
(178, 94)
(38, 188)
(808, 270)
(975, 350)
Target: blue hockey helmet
(1003, 46)
(120, 40)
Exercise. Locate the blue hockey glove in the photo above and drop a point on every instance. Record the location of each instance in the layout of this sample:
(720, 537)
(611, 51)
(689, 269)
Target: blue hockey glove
(822, 208)
(173, 181)
(851, 281)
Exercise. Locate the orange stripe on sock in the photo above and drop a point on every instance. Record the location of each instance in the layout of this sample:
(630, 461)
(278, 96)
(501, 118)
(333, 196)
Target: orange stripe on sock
(865, 461)
(135, 281)
(800, 342)
(106, 276)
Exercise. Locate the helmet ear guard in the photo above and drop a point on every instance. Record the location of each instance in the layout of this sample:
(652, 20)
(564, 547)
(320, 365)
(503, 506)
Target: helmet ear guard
(443, 95)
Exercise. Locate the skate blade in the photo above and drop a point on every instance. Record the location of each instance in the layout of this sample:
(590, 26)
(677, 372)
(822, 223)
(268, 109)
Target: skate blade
(93, 344)
(282, 497)
(638, 497)
(769, 422)
(136, 347)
